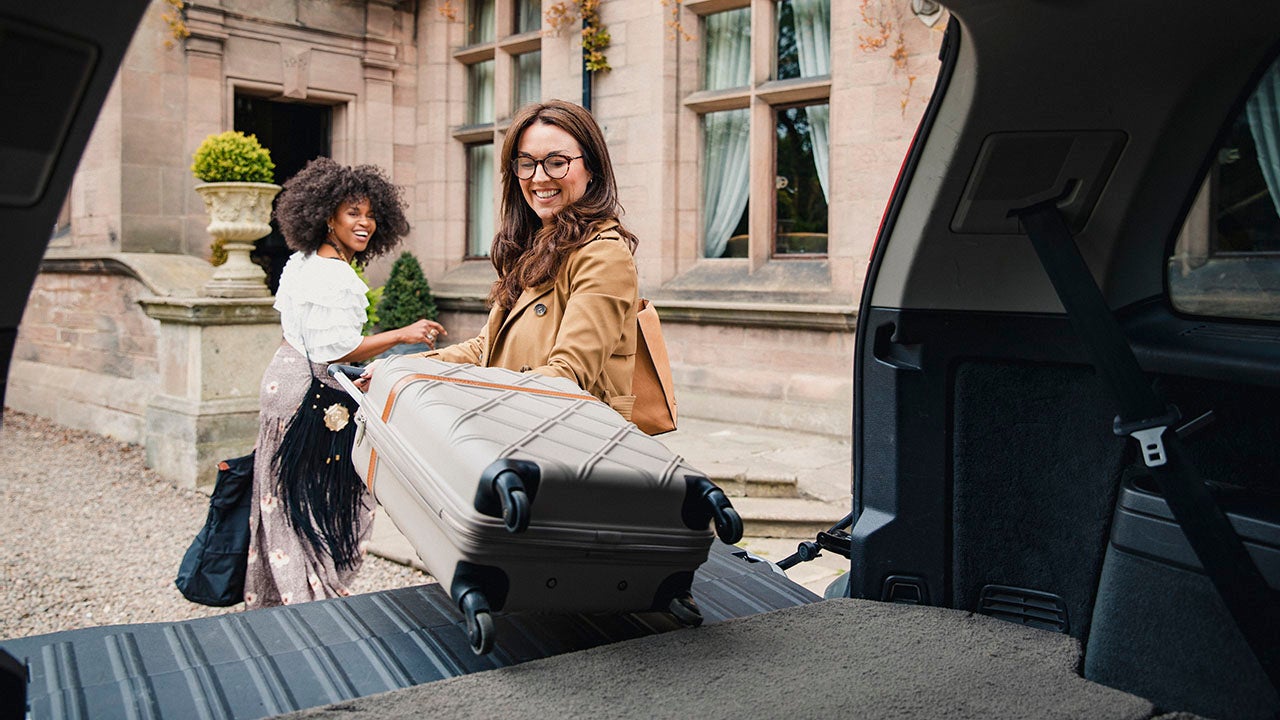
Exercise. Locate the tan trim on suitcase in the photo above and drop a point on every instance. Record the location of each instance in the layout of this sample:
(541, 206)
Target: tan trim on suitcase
(415, 377)
(391, 397)
(373, 464)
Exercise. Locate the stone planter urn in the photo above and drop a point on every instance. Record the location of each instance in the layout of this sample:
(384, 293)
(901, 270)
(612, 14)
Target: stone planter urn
(239, 213)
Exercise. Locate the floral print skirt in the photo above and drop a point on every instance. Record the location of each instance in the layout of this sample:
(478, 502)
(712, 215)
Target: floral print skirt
(283, 567)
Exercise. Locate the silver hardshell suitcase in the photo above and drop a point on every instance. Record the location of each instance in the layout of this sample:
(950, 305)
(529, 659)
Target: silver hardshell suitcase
(522, 492)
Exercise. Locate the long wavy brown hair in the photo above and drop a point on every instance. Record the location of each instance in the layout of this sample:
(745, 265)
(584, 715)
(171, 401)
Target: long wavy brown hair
(525, 253)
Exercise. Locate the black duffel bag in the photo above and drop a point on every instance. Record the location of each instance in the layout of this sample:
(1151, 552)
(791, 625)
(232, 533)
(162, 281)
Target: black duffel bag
(212, 570)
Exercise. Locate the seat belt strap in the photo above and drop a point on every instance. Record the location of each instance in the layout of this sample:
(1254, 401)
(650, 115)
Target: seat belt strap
(1253, 605)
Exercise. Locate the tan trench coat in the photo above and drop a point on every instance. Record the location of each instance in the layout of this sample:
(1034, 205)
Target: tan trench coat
(580, 326)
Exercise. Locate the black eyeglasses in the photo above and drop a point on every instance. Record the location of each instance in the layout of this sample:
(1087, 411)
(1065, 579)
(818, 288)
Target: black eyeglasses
(555, 166)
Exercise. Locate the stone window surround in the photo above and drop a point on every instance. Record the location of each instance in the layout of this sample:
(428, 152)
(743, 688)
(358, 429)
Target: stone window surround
(717, 282)
(503, 50)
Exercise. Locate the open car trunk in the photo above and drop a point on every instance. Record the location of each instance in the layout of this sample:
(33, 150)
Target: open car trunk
(988, 475)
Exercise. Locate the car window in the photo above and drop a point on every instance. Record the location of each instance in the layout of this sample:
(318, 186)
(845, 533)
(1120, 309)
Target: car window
(1226, 261)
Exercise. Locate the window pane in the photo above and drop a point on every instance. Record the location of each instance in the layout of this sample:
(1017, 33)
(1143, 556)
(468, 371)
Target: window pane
(1227, 258)
(801, 197)
(479, 199)
(528, 15)
(725, 176)
(480, 19)
(804, 39)
(480, 93)
(528, 80)
(727, 49)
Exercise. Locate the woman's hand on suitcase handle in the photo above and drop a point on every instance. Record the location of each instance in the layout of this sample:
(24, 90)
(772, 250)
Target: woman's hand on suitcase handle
(351, 371)
(422, 331)
(362, 382)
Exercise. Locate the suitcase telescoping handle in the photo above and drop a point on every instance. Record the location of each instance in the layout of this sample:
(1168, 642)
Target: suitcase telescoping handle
(345, 374)
(351, 371)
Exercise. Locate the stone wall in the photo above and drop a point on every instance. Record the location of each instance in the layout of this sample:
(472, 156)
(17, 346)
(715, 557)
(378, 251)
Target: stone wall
(121, 344)
(86, 353)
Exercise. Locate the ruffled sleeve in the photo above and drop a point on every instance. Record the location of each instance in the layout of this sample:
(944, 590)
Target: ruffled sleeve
(322, 306)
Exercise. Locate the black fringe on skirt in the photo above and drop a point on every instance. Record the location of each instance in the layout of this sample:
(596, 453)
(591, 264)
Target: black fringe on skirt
(317, 483)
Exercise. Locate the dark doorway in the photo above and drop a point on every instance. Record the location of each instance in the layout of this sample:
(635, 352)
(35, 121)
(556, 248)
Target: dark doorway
(295, 133)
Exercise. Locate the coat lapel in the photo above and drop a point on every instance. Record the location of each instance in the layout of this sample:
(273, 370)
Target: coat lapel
(498, 323)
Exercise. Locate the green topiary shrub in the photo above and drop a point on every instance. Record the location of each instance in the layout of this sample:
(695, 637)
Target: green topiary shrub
(233, 157)
(406, 297)
(374, 296)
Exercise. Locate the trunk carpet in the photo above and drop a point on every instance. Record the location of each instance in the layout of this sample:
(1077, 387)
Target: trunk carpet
(839, 658)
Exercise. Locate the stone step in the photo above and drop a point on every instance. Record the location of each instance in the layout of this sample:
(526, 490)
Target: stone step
(787, 517)
(754, 485)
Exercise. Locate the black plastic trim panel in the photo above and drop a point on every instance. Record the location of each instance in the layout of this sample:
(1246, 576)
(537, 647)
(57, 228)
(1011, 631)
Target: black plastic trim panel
(903, 430)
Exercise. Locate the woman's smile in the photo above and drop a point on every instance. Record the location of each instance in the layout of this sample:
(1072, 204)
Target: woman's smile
(352, 226)
(546, 195)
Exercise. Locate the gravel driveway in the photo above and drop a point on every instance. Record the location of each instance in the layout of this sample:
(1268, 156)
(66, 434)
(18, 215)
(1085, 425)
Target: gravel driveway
(89, 536)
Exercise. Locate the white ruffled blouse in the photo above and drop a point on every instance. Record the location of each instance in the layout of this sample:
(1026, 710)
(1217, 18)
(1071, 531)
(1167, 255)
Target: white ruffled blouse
(322, 306)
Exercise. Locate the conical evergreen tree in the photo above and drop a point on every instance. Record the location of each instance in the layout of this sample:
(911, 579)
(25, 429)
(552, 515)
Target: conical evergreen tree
(407, 296)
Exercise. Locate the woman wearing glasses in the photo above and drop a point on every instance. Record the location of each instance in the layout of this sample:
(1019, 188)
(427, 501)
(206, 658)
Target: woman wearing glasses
(565, 301)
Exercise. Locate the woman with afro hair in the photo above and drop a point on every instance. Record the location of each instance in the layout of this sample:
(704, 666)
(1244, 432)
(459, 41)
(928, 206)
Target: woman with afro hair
(331, 215)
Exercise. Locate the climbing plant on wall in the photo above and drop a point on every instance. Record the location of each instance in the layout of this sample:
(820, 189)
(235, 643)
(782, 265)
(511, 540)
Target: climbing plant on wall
(175, 18)
(595, 36)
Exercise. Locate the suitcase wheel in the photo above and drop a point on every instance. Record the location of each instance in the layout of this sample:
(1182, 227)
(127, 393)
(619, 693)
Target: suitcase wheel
(685, 609)
(514, 497)
(515, 509)
(480, 631)
(728, 521)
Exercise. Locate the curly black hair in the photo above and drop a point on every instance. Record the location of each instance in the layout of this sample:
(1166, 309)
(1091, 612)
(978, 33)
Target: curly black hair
(312, 196)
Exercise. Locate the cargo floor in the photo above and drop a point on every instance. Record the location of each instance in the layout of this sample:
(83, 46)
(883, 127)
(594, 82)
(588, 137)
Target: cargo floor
(267, 662)
(838, 658)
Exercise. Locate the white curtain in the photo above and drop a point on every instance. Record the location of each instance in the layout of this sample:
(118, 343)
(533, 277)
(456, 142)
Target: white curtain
(482, 23)
(813, 45)
(726, 170)
(728, 50)
(1263, 110)
(528, 78)
(528, 15)
(725, 155)
(479, 200)
(480, 90)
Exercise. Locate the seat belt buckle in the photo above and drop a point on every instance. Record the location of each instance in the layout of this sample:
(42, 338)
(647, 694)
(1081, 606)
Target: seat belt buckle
(1150, 435)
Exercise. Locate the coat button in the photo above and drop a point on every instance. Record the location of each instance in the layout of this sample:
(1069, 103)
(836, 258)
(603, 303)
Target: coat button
(540, 309)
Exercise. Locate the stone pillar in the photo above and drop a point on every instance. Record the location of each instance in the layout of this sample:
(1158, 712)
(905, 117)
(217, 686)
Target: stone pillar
(206, 108)
(211, 354)
(376, 139)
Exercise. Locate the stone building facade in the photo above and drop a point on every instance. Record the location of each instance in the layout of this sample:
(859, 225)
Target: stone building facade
(755, 144)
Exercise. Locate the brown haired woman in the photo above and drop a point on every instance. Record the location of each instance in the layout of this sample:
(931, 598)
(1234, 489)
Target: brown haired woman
(307, 528)
(565, 301)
